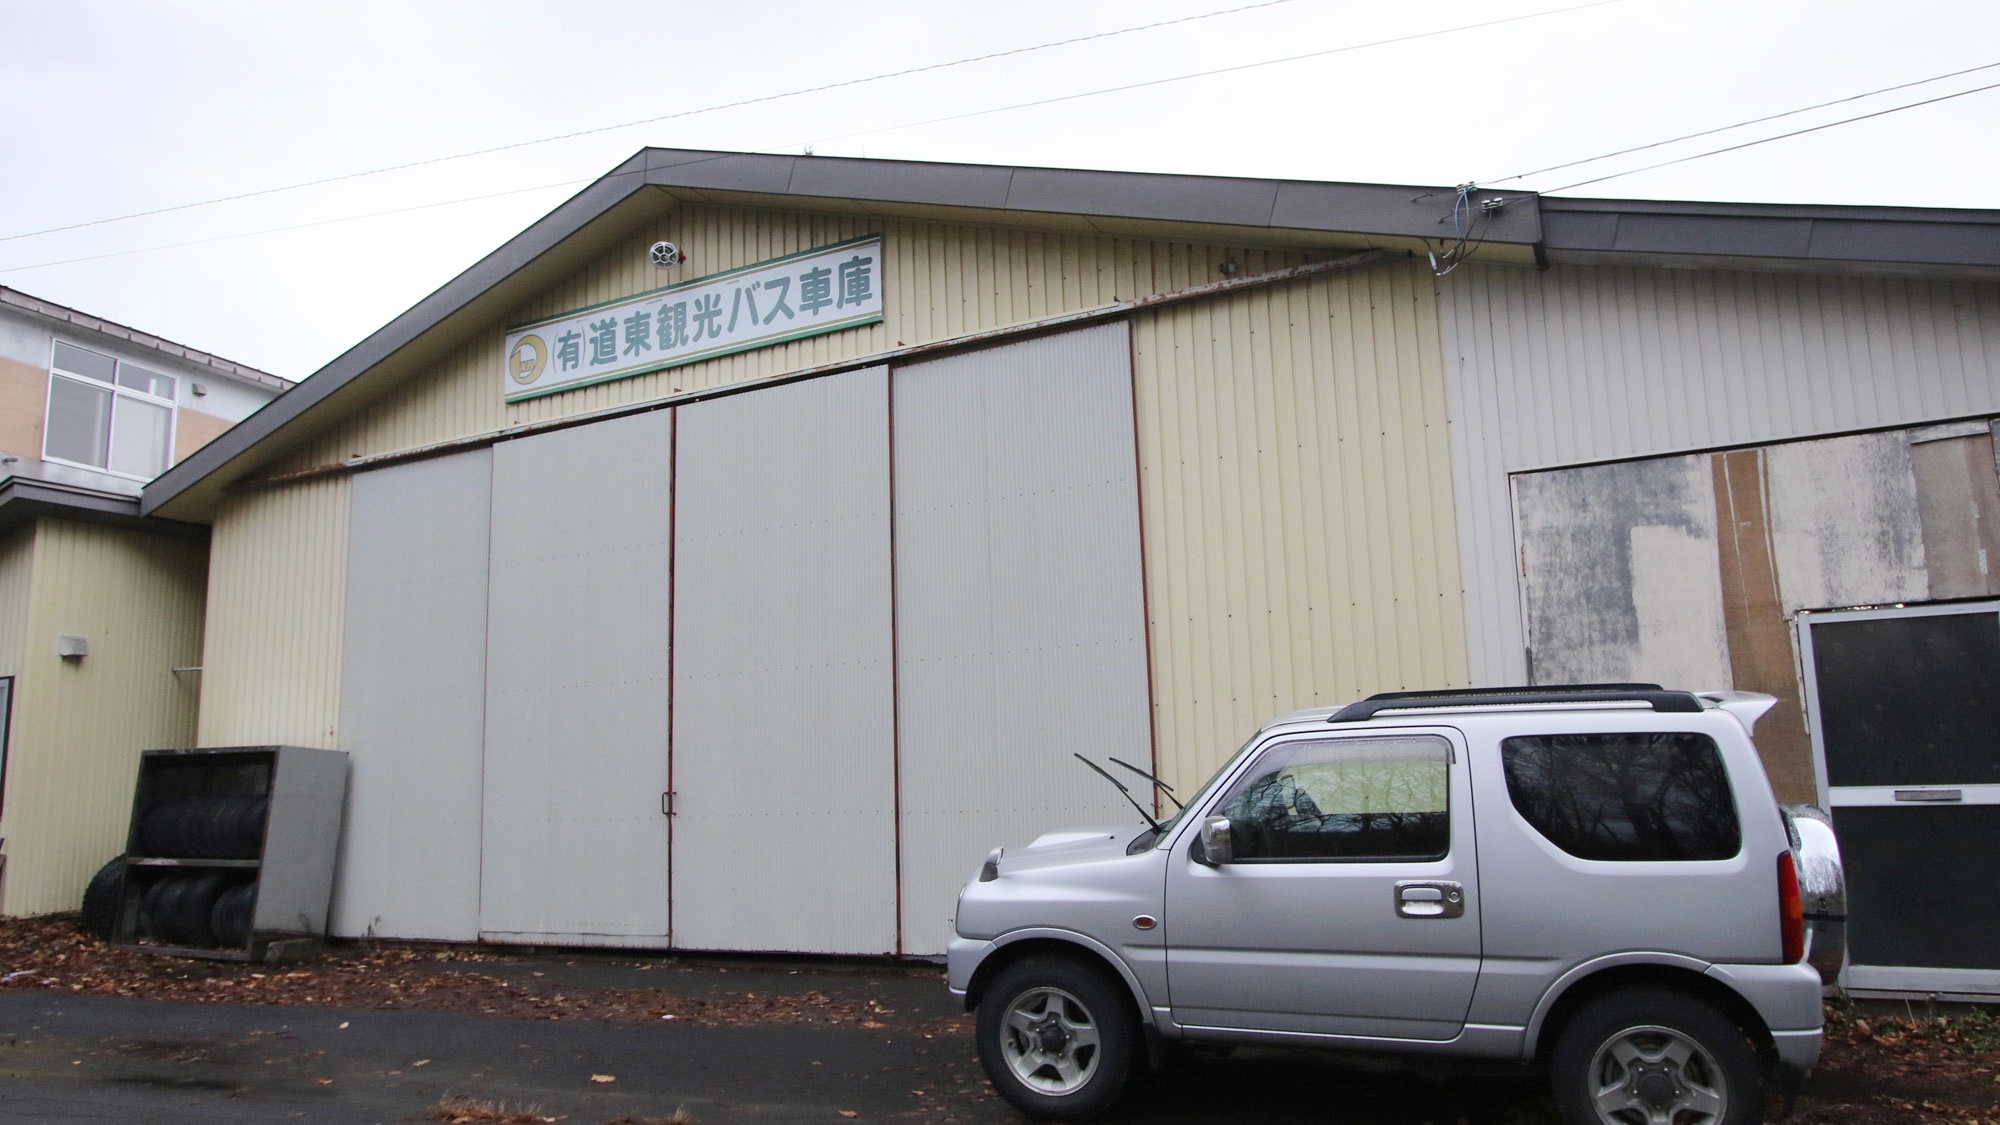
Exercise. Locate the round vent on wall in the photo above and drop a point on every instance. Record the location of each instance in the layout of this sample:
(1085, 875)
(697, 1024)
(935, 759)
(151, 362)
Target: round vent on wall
(665, 255)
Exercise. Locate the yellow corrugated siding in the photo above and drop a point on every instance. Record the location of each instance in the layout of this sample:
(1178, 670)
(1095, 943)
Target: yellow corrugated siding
(941, 280)
(1295, 487)
(277, 584)
(79, 725)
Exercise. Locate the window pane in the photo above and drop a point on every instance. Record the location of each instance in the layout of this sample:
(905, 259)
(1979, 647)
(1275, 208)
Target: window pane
(1625, 796)
(139, 436)
(149, 382)
(1359, 799)
(81, 362)
(79, 422)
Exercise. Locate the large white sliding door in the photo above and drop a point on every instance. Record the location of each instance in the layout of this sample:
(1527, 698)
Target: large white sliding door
(575, 833)
(1020, 612)
(783, 715)
(413, 700)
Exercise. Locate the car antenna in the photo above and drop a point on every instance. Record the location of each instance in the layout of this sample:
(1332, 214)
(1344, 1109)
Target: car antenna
(1157, 783)
(1143, 815)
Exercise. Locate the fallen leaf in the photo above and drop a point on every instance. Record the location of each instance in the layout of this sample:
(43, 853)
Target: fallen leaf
(849, 1113)
(421, 1062)
(604, 1078)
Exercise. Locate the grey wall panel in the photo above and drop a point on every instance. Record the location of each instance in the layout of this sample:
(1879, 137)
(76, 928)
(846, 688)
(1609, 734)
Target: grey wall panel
(575, 842)
(1020, 615)
(412, 700)
(783, 713)
(1579, 363)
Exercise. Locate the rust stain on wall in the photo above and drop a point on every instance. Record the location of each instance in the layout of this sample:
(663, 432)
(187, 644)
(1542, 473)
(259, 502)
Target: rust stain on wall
(1760, 642)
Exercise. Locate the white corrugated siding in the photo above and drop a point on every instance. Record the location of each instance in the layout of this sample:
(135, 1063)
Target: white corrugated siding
(79, 725)
(1296, 500)
(783, 705)
(940, 280)
(413, 700)
(576, 686)
(1581, 363)
(276, 583)
(1020, 617)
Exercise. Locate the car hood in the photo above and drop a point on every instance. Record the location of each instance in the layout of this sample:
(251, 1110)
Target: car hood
(1069, 845)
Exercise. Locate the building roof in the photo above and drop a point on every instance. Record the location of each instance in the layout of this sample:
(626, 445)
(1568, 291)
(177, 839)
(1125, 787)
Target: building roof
(228, 369)
(1517, 227)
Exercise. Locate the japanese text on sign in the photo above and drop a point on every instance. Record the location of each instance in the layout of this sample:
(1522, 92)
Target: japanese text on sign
(823, 290)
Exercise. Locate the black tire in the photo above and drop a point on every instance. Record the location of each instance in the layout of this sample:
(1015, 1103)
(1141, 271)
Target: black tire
(100, 898)
(1622, 1055)
(197, 906)
(1044, 1070)
(231, 919)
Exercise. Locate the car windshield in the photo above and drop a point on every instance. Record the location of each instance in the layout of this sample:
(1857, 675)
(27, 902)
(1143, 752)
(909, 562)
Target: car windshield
(1152, 836)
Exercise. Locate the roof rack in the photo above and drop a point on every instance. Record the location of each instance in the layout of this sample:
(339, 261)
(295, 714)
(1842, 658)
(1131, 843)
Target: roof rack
(1654, 695)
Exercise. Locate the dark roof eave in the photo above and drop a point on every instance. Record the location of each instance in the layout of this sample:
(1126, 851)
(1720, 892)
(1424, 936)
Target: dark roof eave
(1954, 241)
(23, 499)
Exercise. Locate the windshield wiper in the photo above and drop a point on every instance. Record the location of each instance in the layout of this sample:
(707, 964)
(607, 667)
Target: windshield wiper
(1143, 815)
(1157, 783)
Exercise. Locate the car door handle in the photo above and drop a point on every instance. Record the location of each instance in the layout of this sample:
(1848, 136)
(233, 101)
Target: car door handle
(1430, 900)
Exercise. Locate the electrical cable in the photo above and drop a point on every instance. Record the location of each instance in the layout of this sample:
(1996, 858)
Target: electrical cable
(294, 226)
(1224, 70)
(1739, 124)
(760, 100)
(704, 159)
(1779, 137)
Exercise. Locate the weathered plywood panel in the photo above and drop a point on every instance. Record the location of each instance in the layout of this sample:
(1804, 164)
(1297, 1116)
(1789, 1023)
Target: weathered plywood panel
(1844, 522)
(1296, 501)
(1581, 364)
(1620, 574)
(1958, 505)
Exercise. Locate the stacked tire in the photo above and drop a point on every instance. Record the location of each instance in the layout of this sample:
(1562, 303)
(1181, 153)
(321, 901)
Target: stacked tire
(205, 911)
(206, 827)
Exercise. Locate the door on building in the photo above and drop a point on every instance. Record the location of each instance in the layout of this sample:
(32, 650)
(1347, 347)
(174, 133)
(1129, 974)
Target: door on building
(1905, 709)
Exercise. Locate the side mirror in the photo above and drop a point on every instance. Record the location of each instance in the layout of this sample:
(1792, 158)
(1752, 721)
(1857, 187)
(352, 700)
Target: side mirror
(1216, 849)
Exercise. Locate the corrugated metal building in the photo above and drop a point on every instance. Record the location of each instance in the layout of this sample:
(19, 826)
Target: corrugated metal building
(743, 604)
(100, 611)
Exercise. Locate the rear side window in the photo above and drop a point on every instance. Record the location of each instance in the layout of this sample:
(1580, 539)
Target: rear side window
(1631, 797)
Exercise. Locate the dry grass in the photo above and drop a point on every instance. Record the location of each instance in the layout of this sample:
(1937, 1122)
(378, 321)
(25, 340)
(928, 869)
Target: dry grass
(458, 1109)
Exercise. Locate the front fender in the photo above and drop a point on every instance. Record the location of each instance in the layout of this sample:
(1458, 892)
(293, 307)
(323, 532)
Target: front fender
(971, 962)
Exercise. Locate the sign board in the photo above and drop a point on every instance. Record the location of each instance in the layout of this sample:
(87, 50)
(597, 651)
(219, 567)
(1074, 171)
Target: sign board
(790, 298)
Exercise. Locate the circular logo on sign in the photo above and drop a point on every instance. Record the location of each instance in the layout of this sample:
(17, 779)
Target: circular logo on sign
(528, 359)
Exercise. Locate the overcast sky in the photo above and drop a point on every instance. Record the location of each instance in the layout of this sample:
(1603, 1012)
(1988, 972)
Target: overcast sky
(117, 108)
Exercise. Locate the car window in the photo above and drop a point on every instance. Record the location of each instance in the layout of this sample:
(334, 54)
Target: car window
(1344, 799)
(1634, 797)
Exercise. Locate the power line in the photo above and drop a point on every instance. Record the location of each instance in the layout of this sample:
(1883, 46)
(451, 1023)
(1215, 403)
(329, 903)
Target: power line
(1739, 124)
(1779, 137)
(760, 100)
(704, 159)
(1225, 70)
(294, 226)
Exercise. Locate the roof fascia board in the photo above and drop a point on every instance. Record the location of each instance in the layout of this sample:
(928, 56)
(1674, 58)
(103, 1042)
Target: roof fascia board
(1940, 241)
(433, 312)
(23, 500)
(1377, 210)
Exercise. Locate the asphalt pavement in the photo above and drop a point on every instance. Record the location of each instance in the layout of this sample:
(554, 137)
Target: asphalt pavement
(83, 1058)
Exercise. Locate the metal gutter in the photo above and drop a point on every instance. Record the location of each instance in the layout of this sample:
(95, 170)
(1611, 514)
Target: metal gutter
(1832, 237)
(965, 342)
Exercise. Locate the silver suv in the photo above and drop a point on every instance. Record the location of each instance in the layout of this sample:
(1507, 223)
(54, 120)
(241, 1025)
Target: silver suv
(1595, 879)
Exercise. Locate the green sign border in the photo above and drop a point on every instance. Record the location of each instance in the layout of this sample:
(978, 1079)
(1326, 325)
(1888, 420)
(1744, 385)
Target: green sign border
(819, 329)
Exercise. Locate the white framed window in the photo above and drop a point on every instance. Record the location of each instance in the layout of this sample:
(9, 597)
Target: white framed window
(107, 413)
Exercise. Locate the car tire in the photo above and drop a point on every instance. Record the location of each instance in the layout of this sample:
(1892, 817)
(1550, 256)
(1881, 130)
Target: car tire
(1057, 1038)
(100, 898)
(1649, 1054)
